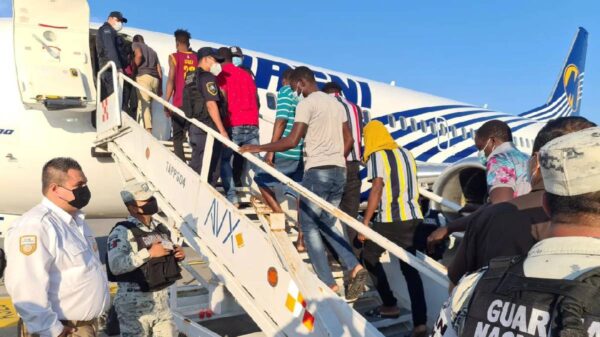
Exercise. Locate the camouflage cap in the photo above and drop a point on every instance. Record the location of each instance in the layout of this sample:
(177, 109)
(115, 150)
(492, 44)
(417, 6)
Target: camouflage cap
(136, 191)
(571, 164)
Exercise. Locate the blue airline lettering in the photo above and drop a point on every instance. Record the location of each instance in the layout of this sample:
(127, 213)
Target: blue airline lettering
(267, 69)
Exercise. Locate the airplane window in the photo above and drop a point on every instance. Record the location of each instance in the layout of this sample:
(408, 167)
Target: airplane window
(464, 133)
(403, 123)
(520, 141)
(423, 126)
(366, 116)
(443, 130)
(391, 121)
(433, 128)
(527, 142)
(413, 124)
(472, 133)
(454, 133)
(271, 101)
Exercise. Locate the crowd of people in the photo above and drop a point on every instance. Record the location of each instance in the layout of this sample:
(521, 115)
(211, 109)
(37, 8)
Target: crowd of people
(544, 206)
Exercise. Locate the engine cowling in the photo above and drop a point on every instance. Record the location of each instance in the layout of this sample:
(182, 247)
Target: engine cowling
(463, 183)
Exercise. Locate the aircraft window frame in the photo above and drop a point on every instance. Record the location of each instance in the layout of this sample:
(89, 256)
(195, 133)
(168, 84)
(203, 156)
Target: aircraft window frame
(464, 132)
(527, 142)
(472, 134)
(521, 143)
(271, 100)
(391, 121)
(423, 126)
(453, 131)
(403, 124)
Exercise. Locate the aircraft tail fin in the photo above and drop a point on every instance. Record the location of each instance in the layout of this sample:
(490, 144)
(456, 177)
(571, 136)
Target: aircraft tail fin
(565, 99)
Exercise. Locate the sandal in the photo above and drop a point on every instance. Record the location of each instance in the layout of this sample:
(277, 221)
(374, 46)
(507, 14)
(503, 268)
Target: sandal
(376, 313)
(357, 285)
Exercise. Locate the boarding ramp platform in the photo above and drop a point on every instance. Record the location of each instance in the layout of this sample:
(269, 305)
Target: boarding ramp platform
(255, 268)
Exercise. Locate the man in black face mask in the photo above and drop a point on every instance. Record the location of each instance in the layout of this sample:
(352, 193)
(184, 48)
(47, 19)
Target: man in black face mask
(143, 260)
(50, 248)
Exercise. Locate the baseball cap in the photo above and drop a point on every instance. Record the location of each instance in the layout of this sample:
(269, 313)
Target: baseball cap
(225, 53)
(208, 51)
(571, 164)
(118, 15)
(236, 51)
(136, 191)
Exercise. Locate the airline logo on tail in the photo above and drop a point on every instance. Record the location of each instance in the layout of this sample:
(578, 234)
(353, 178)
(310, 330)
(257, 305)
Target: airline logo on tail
(571, 83)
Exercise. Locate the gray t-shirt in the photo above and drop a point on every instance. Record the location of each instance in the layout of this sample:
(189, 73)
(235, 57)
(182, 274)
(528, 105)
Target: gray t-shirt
(149, 60)
(324, 140)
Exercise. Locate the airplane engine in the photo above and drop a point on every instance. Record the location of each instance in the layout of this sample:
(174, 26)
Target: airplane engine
(463, 183)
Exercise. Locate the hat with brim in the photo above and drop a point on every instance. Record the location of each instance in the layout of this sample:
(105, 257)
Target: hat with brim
(208, 51)
(136, 192)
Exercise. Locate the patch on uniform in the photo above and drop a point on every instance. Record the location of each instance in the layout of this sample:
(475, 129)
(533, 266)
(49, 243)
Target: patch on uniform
(212, 88)
(28, 244)
(113, 244)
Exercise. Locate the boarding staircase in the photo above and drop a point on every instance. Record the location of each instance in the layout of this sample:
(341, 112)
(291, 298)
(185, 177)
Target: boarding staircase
(249, 251)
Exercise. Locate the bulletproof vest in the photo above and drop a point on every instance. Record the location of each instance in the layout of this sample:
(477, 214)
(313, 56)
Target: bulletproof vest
(193, 103)
(156, 274)
(506, 303)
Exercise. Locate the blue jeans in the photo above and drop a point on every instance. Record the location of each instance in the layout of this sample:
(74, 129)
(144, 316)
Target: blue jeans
(241, 135)
(328, 183)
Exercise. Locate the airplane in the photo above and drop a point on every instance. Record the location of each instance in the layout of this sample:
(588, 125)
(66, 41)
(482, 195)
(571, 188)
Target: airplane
(48, 67)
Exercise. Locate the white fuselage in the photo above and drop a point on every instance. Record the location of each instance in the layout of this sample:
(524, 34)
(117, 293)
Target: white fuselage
(29, 138)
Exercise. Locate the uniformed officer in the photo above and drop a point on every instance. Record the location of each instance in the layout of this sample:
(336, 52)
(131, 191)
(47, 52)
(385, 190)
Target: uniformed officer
(554, 290)
(208, 110)
(54, 274)
(110, 47)
(143, 260)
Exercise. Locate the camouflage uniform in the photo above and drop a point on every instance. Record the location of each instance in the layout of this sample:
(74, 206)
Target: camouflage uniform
(140, 313)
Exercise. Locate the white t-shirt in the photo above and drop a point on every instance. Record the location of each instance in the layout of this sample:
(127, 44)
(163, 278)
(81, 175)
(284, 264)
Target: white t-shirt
(324, 140)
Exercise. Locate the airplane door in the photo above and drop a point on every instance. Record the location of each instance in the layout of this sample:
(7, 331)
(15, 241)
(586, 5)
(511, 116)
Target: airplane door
(52, 53)
(443, 133)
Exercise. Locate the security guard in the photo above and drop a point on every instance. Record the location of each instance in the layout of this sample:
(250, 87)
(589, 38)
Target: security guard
(202, 100)
(110, 47)
(54, 275)
(143, 260)
(554, 290)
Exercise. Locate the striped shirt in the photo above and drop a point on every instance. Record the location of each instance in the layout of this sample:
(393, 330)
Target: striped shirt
(286, 109)
(400, 197)
(354, 115)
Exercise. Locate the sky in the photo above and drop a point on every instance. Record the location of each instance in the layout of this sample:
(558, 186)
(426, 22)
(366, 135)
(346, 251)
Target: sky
(506, 54)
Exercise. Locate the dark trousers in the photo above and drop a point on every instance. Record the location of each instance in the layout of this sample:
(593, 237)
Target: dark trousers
(198, 142)
(179, 126)
(351, 202)
(400, 233)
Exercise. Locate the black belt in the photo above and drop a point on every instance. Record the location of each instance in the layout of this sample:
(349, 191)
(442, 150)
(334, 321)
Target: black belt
(325, 167)
(79, 324)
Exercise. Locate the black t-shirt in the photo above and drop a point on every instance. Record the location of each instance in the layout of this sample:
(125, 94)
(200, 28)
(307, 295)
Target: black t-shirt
(504, 229)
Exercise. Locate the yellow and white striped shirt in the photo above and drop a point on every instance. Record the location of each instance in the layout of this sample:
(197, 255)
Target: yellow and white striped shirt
(400, 197)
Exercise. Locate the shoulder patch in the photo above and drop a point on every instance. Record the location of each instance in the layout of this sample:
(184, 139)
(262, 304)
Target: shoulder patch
(28, 244)
(211, 88)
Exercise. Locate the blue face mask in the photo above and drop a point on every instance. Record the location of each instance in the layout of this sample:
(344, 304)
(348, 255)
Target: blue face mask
(237, 61)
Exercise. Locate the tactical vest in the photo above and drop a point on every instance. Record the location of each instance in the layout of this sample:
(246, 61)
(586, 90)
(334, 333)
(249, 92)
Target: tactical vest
(194, 104)
(156, 274)
(506, 303)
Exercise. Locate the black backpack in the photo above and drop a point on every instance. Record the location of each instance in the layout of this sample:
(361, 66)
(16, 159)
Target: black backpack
(2, 262)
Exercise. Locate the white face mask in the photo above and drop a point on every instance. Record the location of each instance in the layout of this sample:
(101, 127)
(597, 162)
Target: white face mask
(298, 95)
(118, 26)
(481, 154)
(215, 69)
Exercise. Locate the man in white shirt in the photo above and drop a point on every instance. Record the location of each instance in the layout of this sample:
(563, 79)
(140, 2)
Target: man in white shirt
(54, 275)
(554, 290)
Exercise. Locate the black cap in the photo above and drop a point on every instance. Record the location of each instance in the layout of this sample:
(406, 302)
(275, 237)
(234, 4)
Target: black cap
(117, 15)
(236, 51)
(225, 53)
(208, 51)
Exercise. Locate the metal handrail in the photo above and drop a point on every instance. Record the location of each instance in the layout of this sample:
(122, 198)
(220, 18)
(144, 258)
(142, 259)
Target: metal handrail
(377, 238)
